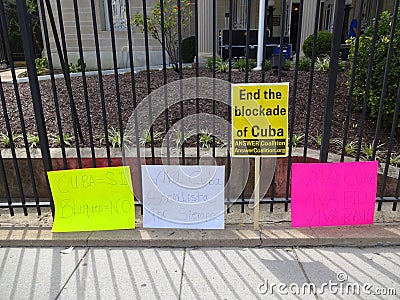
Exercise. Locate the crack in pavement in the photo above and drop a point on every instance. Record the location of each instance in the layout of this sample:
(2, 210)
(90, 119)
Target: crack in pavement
(182, 274)
(73, 271)
(303, 270)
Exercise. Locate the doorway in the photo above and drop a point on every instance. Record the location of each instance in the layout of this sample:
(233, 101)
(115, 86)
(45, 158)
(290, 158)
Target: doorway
(294, 25)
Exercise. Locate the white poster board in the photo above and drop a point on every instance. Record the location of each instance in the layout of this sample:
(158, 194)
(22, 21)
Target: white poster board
(189, 197)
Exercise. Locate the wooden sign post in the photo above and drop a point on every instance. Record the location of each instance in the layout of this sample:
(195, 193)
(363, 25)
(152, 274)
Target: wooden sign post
(257, 193)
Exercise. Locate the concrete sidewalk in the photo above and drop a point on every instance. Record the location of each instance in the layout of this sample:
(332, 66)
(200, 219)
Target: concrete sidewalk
(270, 235)
(235, 263)
(205, 273)
(275, 230)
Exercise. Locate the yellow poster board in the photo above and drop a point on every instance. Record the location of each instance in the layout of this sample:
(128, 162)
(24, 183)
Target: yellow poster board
(260, 119)
(92, 199)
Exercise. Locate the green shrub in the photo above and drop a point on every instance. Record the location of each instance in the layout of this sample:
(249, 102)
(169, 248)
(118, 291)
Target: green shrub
(287, 66)
(220, 65)
(322, 63)
(55, 140)
(33, 140)
(305, 64)
(395, 160)
(188, 49)
(15, 37)
(6, 141)
(240, 64)
(323, 46)
(209, 64)
(364, 53)
(42, 66)
(79, 67)
(14, 31)
(205, 139)
(267, 65)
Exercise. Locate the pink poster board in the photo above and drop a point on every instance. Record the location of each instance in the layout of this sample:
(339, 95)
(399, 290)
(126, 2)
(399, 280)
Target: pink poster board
(333, 194)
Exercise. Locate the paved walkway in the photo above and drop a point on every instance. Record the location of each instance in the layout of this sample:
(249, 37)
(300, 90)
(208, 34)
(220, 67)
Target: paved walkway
(238, 262)
(276, 235)
(6, 76)
(204, 273)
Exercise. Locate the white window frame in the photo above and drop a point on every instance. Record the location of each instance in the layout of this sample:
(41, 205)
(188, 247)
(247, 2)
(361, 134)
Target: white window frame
(328, 15)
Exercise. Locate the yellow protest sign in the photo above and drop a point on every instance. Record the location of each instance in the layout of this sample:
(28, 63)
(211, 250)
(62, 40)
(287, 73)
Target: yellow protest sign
(260, 119)
(92, 199)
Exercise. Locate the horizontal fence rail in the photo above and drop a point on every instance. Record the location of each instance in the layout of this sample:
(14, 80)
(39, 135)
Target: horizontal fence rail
(100, 88)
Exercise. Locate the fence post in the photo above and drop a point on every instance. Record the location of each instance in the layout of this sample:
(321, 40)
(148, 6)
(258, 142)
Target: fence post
(29, 52)
(332, 78)
(3, 55)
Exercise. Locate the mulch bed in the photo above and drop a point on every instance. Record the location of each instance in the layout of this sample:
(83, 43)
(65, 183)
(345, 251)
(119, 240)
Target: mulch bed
(125, 90)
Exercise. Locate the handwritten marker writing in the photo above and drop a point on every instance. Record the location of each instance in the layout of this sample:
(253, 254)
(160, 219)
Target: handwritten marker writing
(92, 199)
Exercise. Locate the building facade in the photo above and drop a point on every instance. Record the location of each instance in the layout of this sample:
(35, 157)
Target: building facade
(205, 15)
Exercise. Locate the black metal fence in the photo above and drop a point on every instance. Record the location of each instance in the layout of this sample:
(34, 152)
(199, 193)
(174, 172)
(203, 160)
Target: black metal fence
(88, 112)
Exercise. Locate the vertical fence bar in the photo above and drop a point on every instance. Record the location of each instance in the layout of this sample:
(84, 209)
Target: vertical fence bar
(2, 54)
(164, 59)
(101, 85)
(146, 46)
(351, 88)
(196, 45)
(179, 6)
(229, 163)
(332, 78)
(116, 79)
(5, 185)
(26, 34)
(246, 79)
(230, 44)
(84, 82)
(385, 81)
(263, 58)
(180, 60)
(311, 80)
(4, 30)
(134, 101)
(281, 40)
(397, 193)
(12, 148)
(64, 64)
(293, 103)
(65, 68)
(62, 31)
(214, 74)
(53, 83)
(264, 42)
(390, 148)
(283, 18)
(368, 80)
(246, 76)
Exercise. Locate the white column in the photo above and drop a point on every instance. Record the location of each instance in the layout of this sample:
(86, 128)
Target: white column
(106, 17)
(307, 27)
(205, 15)
(260, 47)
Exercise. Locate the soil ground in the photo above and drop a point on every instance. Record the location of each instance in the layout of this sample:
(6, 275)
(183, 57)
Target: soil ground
(317, 106)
